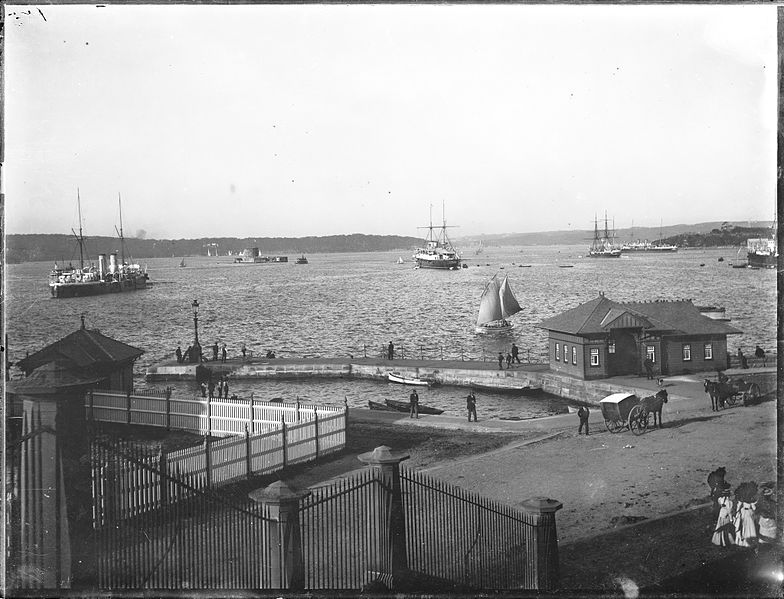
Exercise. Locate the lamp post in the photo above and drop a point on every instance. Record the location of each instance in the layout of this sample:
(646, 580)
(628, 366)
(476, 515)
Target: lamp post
(196, 349)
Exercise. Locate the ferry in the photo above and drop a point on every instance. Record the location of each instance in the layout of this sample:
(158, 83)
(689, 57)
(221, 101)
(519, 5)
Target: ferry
(253, 256)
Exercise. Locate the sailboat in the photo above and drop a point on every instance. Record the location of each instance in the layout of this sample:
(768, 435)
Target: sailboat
(497, 304)
(603, 246)
(182, 263)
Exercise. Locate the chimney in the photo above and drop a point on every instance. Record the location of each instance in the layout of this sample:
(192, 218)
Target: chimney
(101, 265)
(113, 263)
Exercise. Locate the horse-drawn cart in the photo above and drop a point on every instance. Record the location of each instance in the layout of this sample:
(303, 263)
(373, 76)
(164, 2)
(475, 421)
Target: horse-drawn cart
(728, 392)
(624, 410)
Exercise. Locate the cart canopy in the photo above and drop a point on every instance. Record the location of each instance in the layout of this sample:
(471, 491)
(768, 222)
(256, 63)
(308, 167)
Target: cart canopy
(617, 398)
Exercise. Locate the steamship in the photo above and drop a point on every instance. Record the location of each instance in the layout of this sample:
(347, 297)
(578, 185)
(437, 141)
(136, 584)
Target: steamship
(112, 277)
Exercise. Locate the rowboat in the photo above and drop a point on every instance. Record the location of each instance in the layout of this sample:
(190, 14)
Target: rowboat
(404, 406)
(374, 405)
(506, 390)
(396, 377)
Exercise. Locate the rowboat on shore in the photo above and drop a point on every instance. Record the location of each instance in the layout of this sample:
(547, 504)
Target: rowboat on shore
(506, 390)
(396, 377)
(374, 405)
(404, 406)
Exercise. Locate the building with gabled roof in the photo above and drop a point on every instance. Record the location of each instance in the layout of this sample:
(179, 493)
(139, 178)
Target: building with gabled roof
(603, 338)
(89, 355)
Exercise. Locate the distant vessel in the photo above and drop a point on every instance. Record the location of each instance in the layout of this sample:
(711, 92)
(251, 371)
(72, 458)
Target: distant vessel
(400, 260)
(498, 303)
(763, 252)
(70, 281)
(253, 256)
(647, 246)
(603, 246)
(480, 248)
(438, 251)
(182, 263)
(302, 260)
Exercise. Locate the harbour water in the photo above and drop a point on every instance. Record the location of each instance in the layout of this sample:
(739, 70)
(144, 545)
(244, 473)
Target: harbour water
(354, 304)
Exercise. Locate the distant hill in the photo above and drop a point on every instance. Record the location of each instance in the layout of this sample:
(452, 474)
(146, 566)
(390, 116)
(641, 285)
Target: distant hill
(51, 247)
(700, 234)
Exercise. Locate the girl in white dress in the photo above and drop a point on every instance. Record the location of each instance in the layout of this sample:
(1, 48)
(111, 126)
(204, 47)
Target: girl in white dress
(724, 532)
(745, 525)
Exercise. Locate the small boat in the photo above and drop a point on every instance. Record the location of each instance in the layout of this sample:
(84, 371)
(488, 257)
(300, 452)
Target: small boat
(525, 266)
(505, 390)
(404, 406)
(374, 405)
(182, 263)
(396, 377)
(400, 260)
(302, 260)
(566, 266)
(498, 303)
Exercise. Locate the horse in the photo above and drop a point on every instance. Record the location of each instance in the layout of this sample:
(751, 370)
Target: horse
(653, 405)
(720, 391)
(712, 389)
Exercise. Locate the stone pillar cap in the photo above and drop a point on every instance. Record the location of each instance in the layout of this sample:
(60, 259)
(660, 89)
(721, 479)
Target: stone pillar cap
(543, 505)
(382, 455)
(277, 492)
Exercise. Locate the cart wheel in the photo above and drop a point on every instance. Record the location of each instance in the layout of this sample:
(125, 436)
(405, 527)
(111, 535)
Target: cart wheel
(752, 394)
(638, 420)
(613, 426)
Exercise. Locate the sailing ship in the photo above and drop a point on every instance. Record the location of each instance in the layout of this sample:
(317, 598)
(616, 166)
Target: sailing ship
(114, 277)
(763, 252)
(438, 251)
(498, 303)
(302, 260)
(603, 246)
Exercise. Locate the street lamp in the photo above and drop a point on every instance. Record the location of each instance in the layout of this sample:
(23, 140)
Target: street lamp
(196, 350)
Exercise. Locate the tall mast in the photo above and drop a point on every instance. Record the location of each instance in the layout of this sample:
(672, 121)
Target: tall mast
(80, 237)
(120, 232)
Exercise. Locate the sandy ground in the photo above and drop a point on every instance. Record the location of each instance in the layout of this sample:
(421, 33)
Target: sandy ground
(605, 481)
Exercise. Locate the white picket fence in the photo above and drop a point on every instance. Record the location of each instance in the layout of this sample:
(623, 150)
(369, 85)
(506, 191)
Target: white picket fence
(214, 417)
(258, 438)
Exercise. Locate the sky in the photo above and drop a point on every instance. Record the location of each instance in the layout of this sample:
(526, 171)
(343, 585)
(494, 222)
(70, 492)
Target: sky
(290, 121)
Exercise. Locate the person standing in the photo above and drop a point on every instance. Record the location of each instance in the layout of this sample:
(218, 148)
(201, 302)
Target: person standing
(583, 414)
(648, 363)
(759, 353)
(178, 353)
(390, 351)
(508, 361)
(215, 352)
(244, 350)
(724, 531)
(413, 401)
(223, 353)
(501, 360)
(226, 388)
(211, 389)
(516, 353)
(766, 510)
(745, 526)
(203, 387)
(471, 405)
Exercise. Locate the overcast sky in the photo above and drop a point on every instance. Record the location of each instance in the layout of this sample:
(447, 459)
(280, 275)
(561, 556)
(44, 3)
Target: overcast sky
(318, 120)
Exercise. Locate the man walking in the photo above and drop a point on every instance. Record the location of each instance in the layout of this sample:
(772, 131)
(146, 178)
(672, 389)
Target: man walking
(471, 405)
(413, 400)
(583, 413)
(515, 354)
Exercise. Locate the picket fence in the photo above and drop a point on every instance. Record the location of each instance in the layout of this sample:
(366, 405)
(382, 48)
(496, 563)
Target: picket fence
(214, 417)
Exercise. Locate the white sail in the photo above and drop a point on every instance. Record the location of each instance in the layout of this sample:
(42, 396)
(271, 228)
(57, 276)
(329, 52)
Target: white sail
(509, 304)
(490, 304)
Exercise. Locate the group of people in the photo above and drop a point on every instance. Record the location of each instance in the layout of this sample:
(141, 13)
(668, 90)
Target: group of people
(512, 356)
(210, 387)
(745, 520)
(413, 401)
(743, 361)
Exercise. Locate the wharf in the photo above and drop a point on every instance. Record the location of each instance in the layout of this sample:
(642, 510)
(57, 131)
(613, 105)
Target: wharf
(461, 373)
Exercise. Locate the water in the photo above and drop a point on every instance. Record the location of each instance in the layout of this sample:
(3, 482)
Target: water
(354, 304)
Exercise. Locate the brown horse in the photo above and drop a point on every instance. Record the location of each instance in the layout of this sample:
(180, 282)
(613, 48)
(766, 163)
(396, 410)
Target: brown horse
(720, 391)
(653, 405)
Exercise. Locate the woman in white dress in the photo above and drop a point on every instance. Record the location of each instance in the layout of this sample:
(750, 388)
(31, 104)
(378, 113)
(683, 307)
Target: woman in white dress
(724, 532)
(766, 511)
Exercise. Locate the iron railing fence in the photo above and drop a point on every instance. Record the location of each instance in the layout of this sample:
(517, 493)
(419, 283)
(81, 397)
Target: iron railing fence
(465, 538)
(342, 548)
(195, 539)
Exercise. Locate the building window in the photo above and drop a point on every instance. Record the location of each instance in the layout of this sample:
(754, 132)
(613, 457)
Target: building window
(687, 352)
(557, 352)
(709, 351)
(611, 347)
(650, 353)
(566, 354)
(594, 356)
(574, 354)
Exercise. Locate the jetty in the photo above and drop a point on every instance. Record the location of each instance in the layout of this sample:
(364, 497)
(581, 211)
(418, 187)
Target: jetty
(486, 375)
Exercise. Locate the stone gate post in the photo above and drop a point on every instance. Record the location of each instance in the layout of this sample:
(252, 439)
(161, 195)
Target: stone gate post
(287, 566)
(544, 543)
(390, 534)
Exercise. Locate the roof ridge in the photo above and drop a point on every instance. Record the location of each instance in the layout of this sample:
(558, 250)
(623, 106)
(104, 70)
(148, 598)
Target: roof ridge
(592, 312)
